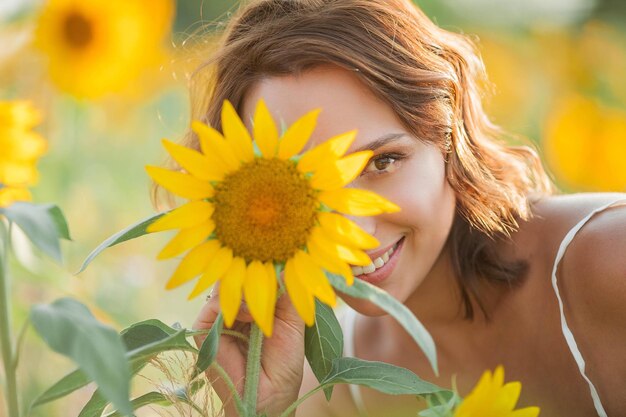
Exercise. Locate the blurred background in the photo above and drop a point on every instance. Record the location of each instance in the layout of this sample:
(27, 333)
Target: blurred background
(557, 70)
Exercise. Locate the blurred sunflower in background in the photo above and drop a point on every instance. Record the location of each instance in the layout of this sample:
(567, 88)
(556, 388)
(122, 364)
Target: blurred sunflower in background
(253, 211)
(20, 148)
(585, 144)
(97, 47)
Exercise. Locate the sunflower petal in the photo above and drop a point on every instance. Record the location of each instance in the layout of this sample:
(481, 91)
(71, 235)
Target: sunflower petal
(526, 412)
(259, 291)
(314, 279)
(215, 270)
(301, 299)
(329, 261)
(297, 135)
(187, 215)
(357, 202)
(193, 263)
(265, 132)
(345, 231)
(236, 133)
(187, 239)
(339, 173)
(271, 273)
(345, 253)
(214, 146)
(194, 162)
(231, 290)
(330, 150)
(183, 185)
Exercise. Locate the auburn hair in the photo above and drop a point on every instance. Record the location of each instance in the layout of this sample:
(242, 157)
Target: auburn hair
(431, 78)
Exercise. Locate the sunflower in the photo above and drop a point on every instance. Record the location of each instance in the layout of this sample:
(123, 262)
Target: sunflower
(493, 398)
(98, 46)
(21, 147)
(253, 213)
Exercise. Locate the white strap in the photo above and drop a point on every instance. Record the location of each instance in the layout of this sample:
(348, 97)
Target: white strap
(348, 350)
(569, 337)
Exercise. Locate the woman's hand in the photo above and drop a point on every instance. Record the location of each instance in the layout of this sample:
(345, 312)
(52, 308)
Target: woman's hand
(282, 359)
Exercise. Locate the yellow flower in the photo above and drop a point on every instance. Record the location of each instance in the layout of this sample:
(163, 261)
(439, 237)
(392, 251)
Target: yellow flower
(584, 145)
(251, 212)
(99, 46)
(493, 398)
(21, 147)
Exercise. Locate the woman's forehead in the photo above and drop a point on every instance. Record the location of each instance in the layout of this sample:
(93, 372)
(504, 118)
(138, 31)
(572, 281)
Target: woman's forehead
(345, 102)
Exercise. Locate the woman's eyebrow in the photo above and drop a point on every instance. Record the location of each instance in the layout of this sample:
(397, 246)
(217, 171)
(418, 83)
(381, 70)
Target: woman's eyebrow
(381, 141)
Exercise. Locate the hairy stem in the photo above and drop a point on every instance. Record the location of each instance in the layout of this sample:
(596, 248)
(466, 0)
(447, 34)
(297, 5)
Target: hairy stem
(253, 370)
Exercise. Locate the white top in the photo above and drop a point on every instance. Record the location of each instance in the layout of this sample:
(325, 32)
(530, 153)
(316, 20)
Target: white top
(348, 318)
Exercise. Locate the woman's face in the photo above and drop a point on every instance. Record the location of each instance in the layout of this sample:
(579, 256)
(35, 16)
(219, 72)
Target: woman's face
(404, 170)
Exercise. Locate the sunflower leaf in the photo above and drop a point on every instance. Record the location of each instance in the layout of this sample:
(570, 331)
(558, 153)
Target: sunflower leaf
(44, 224)
(131, 232)
(69, 328)
(404, 316)
(208, 350)
(95, 406)
(66, 385)
(323, 342)
(381, 376)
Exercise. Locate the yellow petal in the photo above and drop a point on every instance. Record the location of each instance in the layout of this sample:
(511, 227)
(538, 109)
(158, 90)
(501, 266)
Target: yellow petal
(271, 273)
(194, 162)
(339, 173)
(259, 290)
(236, 134)
(265, 132)
(332, 149)
(215, 270)
(313, 278)
(301, 299)
(508, 396)
(187, 215)
(183, 185)
(345, 253)
(187, 239)
(230, 290)
(10, 195)
(193, 263)
(297, 135)
(357, 202)
(526, 412)
(345, 231)
(329, 261)
(213, 145)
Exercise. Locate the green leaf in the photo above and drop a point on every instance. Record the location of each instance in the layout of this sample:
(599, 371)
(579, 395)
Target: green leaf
(131, 232)
(70, 329)
(182, 394)
(144, 333)
(381, 376)
(95, 406)
(209, 347)
(44, 225)
(404, 316)
(66, 385)
(441, 404)
(323, 343)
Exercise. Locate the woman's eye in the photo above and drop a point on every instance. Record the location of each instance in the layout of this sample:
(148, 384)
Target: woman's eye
(382, 164)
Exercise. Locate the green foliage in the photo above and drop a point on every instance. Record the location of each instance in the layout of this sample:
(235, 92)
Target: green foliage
(44, 224)
(69, 328)
(381, 376)
(208, 350)
(323, 343)
(131, 232)
(404, 316)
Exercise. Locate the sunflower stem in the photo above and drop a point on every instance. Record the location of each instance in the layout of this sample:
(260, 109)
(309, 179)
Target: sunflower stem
(253, 370)
(5, 327)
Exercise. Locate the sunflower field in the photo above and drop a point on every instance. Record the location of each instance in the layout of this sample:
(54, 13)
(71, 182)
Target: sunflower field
(90, 89)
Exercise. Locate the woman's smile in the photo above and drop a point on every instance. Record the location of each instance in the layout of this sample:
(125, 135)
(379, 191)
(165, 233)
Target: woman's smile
(383, 263)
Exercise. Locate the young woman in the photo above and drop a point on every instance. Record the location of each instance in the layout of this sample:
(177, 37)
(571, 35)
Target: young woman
(482, 251)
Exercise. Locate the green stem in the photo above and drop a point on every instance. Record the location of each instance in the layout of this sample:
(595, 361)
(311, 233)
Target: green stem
(241, 409)
(253, 370)
(5, 327)
(292, 407)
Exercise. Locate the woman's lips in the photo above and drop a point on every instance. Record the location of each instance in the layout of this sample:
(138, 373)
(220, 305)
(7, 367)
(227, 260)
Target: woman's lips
(381, 267)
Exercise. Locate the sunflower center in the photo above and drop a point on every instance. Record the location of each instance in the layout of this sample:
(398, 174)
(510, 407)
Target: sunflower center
(265, 210)
(77, 30)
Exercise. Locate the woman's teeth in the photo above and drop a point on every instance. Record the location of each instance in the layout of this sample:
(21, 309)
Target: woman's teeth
(376, 263)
